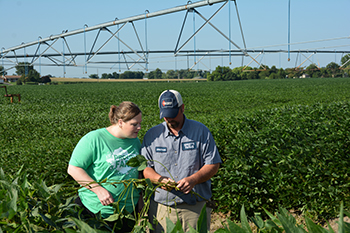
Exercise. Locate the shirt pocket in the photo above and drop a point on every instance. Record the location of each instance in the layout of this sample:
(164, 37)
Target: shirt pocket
(190, 158)
(162, 159)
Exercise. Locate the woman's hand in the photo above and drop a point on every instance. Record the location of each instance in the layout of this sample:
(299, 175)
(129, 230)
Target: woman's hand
(103, 195)
(80, 175)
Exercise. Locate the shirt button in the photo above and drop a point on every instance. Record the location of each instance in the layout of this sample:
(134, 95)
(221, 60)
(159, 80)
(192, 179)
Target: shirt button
(175, 164)
(175, 176)
(175, 152)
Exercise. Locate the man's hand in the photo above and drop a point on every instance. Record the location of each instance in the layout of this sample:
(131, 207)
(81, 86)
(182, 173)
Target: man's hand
(186, 184)
(205, 173)
(168, 183)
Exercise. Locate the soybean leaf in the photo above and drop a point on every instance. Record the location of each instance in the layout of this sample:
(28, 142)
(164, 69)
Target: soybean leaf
(138, 161)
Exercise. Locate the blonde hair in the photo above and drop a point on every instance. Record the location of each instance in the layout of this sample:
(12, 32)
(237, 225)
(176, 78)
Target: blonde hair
(125, 111)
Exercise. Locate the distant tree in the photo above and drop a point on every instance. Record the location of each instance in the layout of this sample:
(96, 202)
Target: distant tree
(325, 73)
(264, 67)
(139, 75)
(205, 73)
(272, 76)
(294, 73)
(104, 76)
(2, 71)
(252, 75)
(45, 79)
(127, 75)
(236, 73)
(131, 75)
(249, 73)
(333, 69)
(171, 74)
(179, 74)
(273, 69)
(184, 74)
(23, 68)
(158, 74)
(33, 76)
(19, 82)
(281, 73)
(221, 73)
(189, 74)
(264, 74)
(155, 74)
(199, 73)
(263, 71)
(313, 71)
(333, 66)
(93, 76)
(115, 75)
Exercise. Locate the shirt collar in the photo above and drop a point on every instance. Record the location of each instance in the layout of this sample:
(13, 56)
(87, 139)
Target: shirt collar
(182, 130)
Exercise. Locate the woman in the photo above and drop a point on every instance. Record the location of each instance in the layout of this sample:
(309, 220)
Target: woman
(102, 154)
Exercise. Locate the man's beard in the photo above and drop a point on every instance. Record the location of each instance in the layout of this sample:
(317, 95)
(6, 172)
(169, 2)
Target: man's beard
(173, 124)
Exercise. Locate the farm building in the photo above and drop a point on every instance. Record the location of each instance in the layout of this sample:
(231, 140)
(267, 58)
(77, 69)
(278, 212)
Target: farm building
(11, 78)
(304, 76)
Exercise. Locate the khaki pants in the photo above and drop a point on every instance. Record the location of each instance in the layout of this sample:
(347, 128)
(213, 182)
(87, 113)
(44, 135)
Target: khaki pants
(187, 214)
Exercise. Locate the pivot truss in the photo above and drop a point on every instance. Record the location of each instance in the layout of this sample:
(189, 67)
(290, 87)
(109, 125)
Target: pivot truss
(129, 56)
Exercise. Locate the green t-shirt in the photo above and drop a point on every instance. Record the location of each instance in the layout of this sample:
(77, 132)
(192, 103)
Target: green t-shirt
(102, 156)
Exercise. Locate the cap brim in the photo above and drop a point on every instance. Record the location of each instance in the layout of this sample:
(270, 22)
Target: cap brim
(169, 113)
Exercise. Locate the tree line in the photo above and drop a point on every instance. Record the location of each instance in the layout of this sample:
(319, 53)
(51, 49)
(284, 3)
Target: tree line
(264, 72)
(221, 73)
(224, 73)
(155, 74)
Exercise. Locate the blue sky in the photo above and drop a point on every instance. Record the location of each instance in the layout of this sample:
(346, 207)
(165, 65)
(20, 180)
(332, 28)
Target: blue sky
(324, 24)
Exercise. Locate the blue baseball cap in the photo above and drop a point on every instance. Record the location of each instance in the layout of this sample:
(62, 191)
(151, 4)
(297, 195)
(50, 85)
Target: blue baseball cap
(169, 103)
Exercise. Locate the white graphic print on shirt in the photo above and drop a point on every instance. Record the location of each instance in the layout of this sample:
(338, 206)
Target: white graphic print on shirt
(118, 159)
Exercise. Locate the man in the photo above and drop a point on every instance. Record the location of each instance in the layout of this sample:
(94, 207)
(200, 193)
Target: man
(181, 152)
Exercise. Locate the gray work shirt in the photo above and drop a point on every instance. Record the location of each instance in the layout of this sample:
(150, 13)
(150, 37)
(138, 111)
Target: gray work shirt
(180, 156)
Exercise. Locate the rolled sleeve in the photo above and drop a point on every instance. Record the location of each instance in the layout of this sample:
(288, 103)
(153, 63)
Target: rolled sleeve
(82, 155)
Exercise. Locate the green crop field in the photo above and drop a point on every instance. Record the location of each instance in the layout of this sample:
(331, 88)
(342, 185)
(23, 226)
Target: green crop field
(283, 142)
